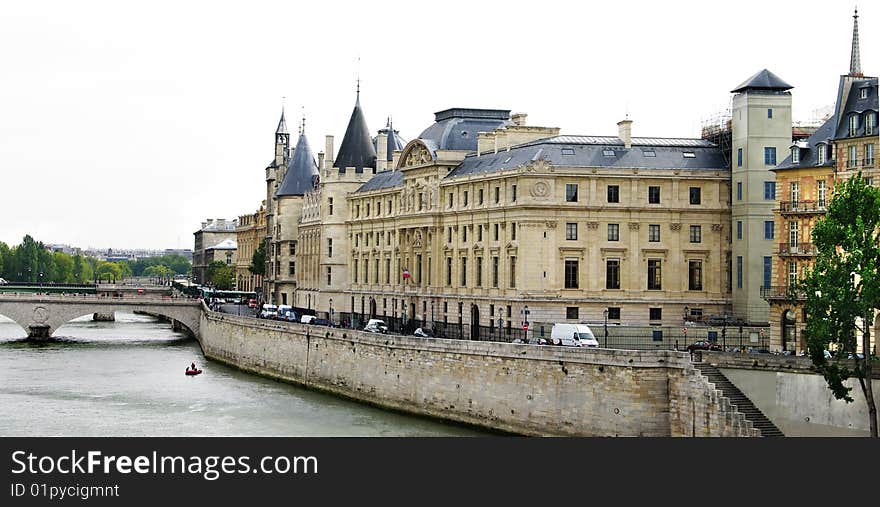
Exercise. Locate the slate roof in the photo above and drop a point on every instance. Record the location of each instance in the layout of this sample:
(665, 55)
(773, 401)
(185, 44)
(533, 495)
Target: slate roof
(809, 156)
(857, 105)
(282, 125)
(302, 171)
(395, 142)
(357, 148)
(763, 80)
(226, 244)
(590, 151)
(457, 128)
(384, 179)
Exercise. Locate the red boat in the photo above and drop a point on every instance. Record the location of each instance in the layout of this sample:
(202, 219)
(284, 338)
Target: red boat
(193, 372)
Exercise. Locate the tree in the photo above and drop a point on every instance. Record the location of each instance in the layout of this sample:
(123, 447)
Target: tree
(842, 290)
(220, 275)
(258, 260)
(109, 271)
(63, 268)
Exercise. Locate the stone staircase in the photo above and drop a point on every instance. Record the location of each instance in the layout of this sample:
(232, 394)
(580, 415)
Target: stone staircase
(738, 399)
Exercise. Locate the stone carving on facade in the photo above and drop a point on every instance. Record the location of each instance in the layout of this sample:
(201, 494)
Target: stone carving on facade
(418, 155)
(550, 225)
(717, 227)
(540, 190)
(675, 226)
(417, 239)
(592, 225)
(633, 226)
(538, 165)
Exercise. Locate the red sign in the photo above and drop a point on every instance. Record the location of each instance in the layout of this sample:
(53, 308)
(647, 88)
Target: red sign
(526, 326)
(405, 273)
(684, 330)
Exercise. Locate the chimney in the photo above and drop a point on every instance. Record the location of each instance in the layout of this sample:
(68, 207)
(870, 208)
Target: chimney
(625, 132)
(518, 118)
(321, 160)
(328, 150)
(381, 152)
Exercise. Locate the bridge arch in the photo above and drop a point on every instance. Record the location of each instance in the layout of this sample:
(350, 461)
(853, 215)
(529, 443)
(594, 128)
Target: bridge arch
(24, 330)
(42, 316)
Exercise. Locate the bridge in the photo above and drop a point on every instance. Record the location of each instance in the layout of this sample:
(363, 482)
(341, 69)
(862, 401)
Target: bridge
(42, 315)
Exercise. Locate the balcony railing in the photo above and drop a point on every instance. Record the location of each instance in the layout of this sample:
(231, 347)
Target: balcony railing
(860, 162)
(781, 292)
(786, 207)
(798, 249)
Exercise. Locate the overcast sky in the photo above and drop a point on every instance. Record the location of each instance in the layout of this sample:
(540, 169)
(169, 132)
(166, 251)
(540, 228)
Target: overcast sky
(125, 124)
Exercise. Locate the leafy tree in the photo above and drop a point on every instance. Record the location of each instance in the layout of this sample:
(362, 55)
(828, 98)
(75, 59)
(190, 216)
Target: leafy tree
(220, 275)
(842, 289)
(77, 271)
(258, 260)
(109, 271)
(62, 271)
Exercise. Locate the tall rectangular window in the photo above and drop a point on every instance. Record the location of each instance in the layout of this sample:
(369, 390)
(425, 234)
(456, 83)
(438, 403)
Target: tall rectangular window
(870, 123)
(465, 203)
(464, 234)
(329, 275)
(329, 247)
(696, 234)
(739, 157)
(418, 270)
(792, 234)
(769, 113)
(497, 195)
(495, 272)
(512, 281)
(653, 195)
(366, 271)
(355, 266)
(821, 151)
(768, 270)
(496, 232)
(513, 231)
(739, 191)
(695, 275)
(513, 193)
(292, 246)
(769, 155)
(654, 275)
(388, 271)
(480, 233)
(739, 229)
(792, 274)
(449, 200)
(571, 231)
(769, 229)
(449, 234)
(795, 194)
(464, 271)
(479, 272)
(653, 233)
(421, 201)
(613, 232)
(695, 195)
(739, 272)
(655, 314)
(571, 192)
(291, 267)
(769, 190)
(480, 194)
(376, 270)
(613, 193)
(820, 194)
(869, 154)
(853, 156)
(612, 274)
(571, 274)
(330, 205)
(449, 271)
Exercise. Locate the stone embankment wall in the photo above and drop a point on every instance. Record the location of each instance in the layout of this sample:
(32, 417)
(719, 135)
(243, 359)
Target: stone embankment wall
(522, 389)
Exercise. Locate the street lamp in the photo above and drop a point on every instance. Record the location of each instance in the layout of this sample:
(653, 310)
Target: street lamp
(525, 312)
(605, 315)
(331, 310)
(432, 312)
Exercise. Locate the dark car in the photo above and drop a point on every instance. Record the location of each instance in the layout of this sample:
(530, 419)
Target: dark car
(321, 322)
(703, 345)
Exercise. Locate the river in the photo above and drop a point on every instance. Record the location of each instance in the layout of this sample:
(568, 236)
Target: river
(126, 378)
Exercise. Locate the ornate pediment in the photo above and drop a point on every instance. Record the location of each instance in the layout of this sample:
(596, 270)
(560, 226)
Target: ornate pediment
(540, 165)
(416, 154)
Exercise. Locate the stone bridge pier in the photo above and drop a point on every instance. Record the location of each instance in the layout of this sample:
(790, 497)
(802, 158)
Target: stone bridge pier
(41, 316)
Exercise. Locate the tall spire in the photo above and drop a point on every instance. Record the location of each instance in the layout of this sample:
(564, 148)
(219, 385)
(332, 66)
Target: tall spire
(282, 124)
(855, 60)
(357, 148)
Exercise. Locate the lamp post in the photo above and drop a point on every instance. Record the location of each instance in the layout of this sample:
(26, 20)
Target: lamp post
(605, 316)
(684, 319)
(432, 312)
(525, 324)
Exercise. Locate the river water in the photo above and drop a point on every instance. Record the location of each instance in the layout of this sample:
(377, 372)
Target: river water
(126, 378)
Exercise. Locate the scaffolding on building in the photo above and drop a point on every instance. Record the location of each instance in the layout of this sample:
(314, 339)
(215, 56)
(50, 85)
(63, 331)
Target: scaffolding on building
(716, 128)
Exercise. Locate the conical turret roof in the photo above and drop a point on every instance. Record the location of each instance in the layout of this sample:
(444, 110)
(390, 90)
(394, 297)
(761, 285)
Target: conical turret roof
(395, 142)
(302, 171)
(763, 80)
(282, 125)
(357, 148)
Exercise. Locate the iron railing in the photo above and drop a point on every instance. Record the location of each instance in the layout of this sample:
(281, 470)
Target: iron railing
(787, 249)
(790, 207)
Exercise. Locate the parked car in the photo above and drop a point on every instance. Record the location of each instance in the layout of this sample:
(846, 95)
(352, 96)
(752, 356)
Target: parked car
(307, 319)
(376, 326)
(322, 322)
(424, 333)
(252, 303)
(703, 345)
(269, 311)
(3, 282)
(282, 311)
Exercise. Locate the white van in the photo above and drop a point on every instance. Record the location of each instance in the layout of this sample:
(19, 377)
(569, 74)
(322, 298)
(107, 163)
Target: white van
(307, 319)
(281, 314)
(573, 335)
(268, 312)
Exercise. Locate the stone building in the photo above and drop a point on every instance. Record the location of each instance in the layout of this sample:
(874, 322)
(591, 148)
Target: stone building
(251, 231)
(211, 233)
(840, 149)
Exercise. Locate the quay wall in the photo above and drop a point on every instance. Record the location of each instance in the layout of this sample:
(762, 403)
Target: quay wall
(521, 389)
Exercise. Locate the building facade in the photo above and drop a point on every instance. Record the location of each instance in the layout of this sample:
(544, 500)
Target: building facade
(211, 233)
(249, 234)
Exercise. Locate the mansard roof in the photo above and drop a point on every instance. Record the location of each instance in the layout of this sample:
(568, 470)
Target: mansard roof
(763, 80)
(357, 148)
(302, 171)
(600, 151)
(384, 179)
(809, 155)
(457, 128)
(855, 104)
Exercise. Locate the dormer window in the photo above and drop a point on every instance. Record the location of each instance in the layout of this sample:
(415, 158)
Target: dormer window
(795, 155)
(568, 151)
(863, 93)
(870, 123)
(821, 150)
(689, 154)
(649, 153)
(608, 152)
(853, 124)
